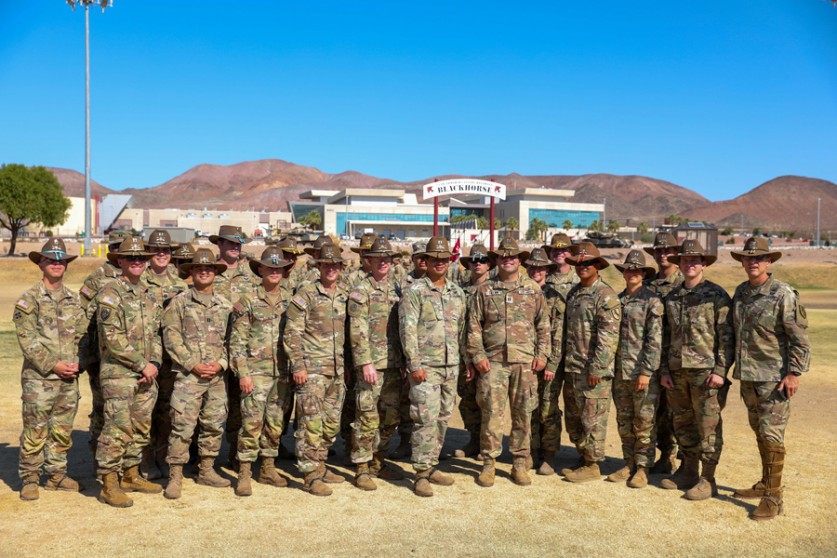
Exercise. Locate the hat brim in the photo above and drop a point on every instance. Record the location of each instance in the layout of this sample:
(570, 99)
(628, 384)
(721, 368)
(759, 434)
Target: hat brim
(338, 260)
(774, 255)
(214, 238)
(254, 265)
(598, 261)
(547, 247)
(646, 268)
(708, 259)
(552, 266)
(219, 267)
(294, 251)
(358, 249)
(522, 254)
(439, 254)
(651, 250)
(114, 256)
(36, 257)
(387, 253)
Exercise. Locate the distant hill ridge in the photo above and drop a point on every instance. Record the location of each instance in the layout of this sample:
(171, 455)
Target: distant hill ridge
(784, 203)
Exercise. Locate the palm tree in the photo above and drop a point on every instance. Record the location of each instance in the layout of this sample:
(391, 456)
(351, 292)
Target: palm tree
(567, 224)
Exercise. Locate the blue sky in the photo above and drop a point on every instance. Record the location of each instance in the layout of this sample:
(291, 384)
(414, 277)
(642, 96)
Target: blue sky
(717, 96)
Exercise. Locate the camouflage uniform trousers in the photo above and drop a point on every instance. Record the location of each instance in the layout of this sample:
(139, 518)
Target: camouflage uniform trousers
(377, 413)
(519, 383)
(263, 417)
(587, 409)
(468, 408)
(161, 417)
(97, 412)
(125, 433)
(197, 401)
(319, 402)
(697, 413)
(767, 410)
(431, 406)
(635, 418)
(546, 419)
(49, 408)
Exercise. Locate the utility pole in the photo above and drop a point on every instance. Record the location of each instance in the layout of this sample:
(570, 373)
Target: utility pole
(88, 229)
(818, 222)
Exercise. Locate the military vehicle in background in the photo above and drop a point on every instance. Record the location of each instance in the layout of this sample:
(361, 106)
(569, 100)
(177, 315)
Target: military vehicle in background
(303, 237)
(602, 239)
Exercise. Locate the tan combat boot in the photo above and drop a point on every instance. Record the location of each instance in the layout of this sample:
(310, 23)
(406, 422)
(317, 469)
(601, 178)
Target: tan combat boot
(771, 503)
(60, 481)
(363, 478)
(242, 486)
(622, 474)
(379, 469)
(314, 484)
(207, 475)
(268, 474)
(639, 479)
(705, 487)
(520, 471)
(422, 487)
(29, 491)
(486, 478)
(577, 465)
(132, 481)
(546, 468)
(589, 472)
(757, 490)
(112, 494)
(440, 478)
(329, 476)
(685, 477)
(232, 453)
(175, 485)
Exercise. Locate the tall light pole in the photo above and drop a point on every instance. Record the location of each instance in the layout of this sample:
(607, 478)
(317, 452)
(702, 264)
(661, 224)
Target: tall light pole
(88, 229)
(818, 221)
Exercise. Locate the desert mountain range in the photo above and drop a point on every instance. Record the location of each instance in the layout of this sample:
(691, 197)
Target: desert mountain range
(786, 203)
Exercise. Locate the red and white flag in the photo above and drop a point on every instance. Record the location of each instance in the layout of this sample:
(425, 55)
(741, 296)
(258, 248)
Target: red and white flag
(456, 248)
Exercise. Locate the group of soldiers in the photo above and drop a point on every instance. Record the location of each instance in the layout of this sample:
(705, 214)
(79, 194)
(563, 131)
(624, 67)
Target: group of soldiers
(182, 347)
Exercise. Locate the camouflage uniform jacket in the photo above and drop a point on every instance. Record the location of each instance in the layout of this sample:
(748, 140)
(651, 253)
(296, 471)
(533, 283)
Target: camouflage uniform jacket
(90, 289)
(166, 286)
(698, 329)
(556, 307)
(194, 328)
(129, 321)
(640, 334)
(50, 325)
(664, 285)
(373, 324)
(315, 329)
(591, 330)
(355, 276)
(771, 337)
(432, 324)
(563, 282)
(257, 327)
(235, 282)
(508, 321)
(407, 281)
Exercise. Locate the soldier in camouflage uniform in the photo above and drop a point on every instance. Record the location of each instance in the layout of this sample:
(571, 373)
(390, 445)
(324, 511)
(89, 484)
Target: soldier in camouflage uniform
(261, 369)
(194, 331)
(314, 342)
(508, 344)
(636, 385)
(667, 279)
(236, 281)
(376, 354)
(478, 264)
(546, 420)
(405, 426)
(772, 351)
(431, 319)
(89, 357)
(50, 324)
(180, 256)
(698, 352)
(162, 280)
(591, 338)
(129, 320)
(295, 275)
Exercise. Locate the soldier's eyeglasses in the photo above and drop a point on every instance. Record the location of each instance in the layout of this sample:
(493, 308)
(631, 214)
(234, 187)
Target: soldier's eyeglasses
(134, 258)
(757, 258)
(479, 260)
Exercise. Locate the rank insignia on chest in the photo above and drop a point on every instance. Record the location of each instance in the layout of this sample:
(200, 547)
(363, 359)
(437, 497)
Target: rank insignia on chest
(509, 299)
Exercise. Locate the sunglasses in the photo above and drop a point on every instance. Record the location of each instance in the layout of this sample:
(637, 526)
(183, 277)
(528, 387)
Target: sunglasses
(757, 258)
(582, 264)
(479, 260)
(134, 258)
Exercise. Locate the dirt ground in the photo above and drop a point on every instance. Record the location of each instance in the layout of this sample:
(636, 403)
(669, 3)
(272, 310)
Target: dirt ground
(549, 518)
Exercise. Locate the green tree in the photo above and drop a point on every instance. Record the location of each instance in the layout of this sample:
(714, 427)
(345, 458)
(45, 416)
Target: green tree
(642, 228)
(512, 223)
(567, 225)
(311, 219)
(30, 195)
(595, 226)
(613, 226)
(727, 231)
(482, 222)
(537, 228)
